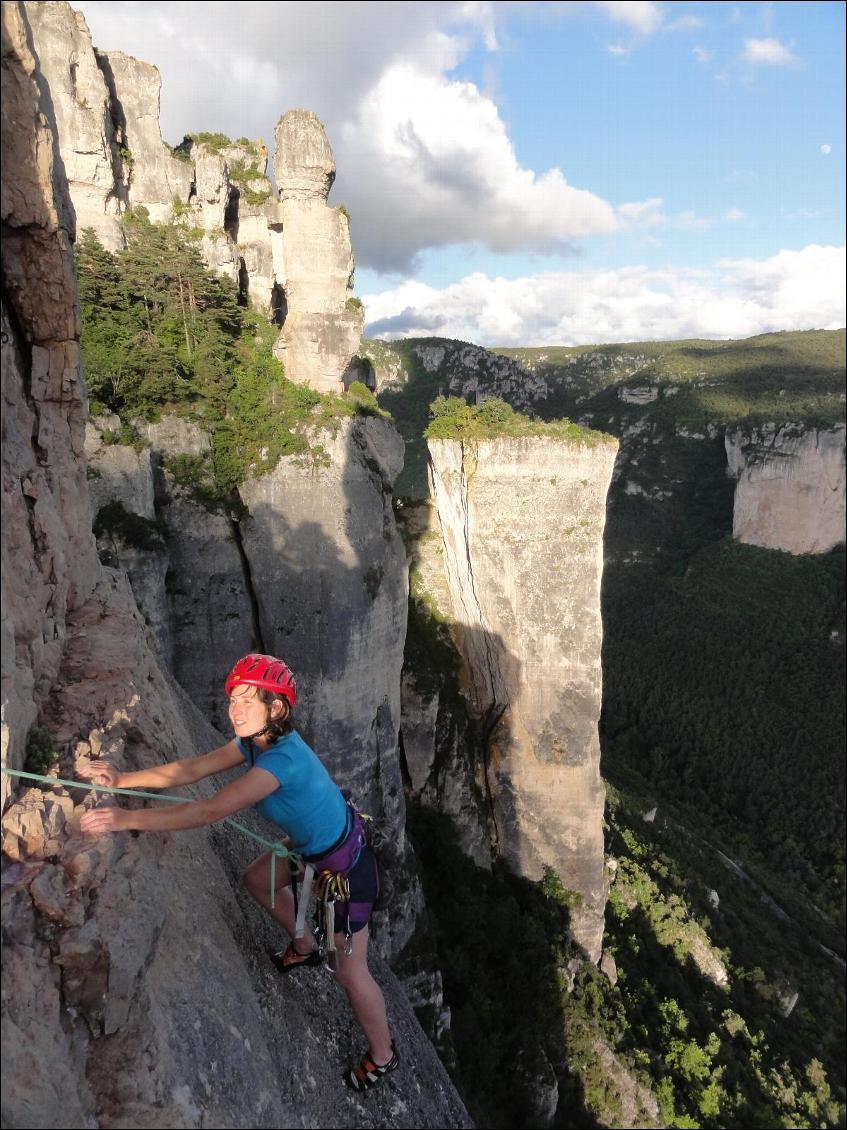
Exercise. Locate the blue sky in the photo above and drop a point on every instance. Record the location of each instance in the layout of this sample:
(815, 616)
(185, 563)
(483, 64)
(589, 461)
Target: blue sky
(537, 173)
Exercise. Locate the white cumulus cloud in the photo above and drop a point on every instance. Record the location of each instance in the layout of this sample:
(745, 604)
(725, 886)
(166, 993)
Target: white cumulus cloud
(826, 149)
(768, 52)
(639, 15)
(792, 290)
(447, 173)
(701, 54)
(734, 215)
(685, 23)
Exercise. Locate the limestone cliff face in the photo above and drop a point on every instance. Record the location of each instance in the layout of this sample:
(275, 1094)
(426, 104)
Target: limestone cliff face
(292, 256)
(522, 525)
(790, 491)
(154, 176)
(49, 560)
(80, 101)
(321, 332)
(328, 572)
(135, 987)
(313, 570)
(440, 740)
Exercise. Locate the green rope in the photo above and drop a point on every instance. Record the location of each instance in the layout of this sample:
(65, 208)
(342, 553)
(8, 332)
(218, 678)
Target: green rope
(276, 849)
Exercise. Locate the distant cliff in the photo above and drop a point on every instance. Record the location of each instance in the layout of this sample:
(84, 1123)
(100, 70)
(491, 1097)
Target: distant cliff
(790, 491)
(686, 414)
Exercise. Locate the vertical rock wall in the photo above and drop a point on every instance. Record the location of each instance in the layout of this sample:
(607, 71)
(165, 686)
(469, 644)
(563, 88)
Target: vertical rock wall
(323, 326)
(790, 491)
(136, 991)
(522, 524)
(49, 561)
(87, 133)
(155, 178)
(292, 256)
(328, 572)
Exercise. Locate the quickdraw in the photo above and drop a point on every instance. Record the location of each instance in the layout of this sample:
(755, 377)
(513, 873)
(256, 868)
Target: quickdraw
(327, 878)
(331, 887)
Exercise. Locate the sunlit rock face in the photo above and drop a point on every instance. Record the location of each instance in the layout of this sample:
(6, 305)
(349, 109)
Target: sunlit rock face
(49, 560)
(790, 491)
(522, 525)
(323, 323)
(88, 139)
(155, 177)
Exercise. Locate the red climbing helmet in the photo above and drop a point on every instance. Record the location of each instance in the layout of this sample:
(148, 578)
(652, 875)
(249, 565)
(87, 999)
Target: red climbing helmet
(263, 671)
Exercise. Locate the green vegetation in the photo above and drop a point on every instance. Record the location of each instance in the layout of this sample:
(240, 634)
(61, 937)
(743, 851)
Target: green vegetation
(716, 1055)
(500, 940)
(778, 376)
(364, 402)
(179, 153)
(353, 303)
(242, 170)
(409, 408)
(126, 436)
(114, 521)
(161, 333)
(214, 141)
(40, 752)
(747, 646)
(454, 418)
(243, 174)
(668, 1044)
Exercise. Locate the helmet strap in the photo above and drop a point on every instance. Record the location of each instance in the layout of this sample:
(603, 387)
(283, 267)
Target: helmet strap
(259, 733)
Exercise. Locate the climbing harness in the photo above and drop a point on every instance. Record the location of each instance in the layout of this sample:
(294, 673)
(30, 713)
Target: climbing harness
(328, 876)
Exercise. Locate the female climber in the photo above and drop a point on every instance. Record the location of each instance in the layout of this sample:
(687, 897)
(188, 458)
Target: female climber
(290, 787)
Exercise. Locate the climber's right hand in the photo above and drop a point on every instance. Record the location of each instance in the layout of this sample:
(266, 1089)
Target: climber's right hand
(100, 772)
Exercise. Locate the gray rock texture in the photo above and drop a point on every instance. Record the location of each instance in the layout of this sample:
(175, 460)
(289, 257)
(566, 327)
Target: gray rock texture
(522, 523)
(119, 473)
(136, 989)
(188, 574)
(88, 141)
(321, 332)
(790, 491)
(292, 255)
(328, 572)
(440, 741)
(123, 477)
(49, 560)
(155, 178)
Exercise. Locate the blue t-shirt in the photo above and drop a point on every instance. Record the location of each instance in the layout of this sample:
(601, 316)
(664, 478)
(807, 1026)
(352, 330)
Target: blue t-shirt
(308, 805)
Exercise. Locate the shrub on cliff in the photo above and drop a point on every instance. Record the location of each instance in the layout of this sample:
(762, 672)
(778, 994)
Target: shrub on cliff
(40, 752)
(454, 418)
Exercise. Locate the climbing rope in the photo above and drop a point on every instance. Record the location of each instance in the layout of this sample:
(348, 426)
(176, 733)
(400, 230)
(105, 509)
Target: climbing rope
(276, 849)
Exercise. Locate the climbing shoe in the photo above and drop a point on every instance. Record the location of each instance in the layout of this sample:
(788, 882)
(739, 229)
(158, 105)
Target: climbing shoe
(367, 1073)
(289, 959)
